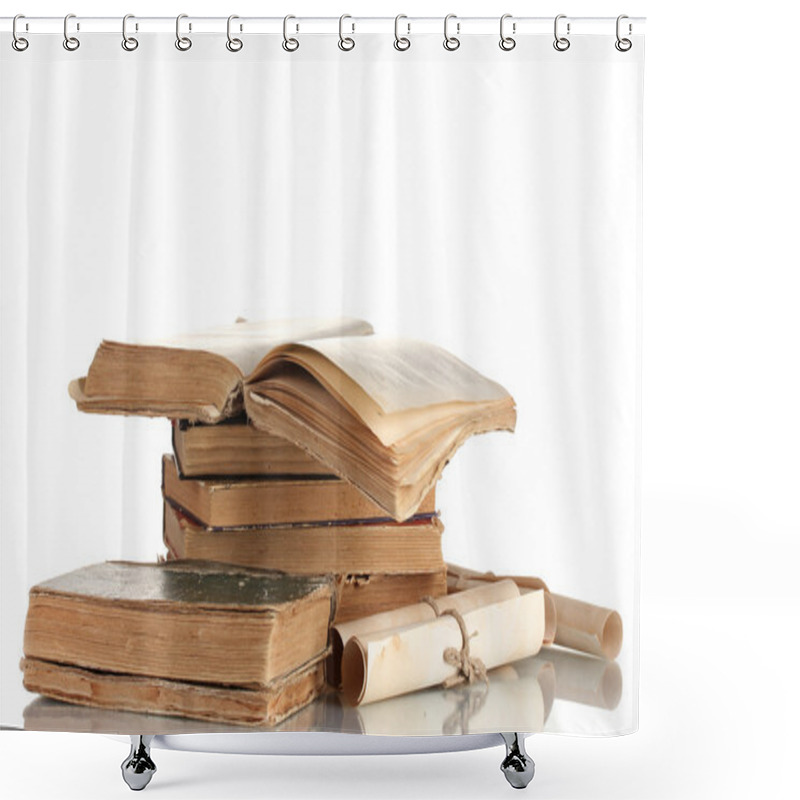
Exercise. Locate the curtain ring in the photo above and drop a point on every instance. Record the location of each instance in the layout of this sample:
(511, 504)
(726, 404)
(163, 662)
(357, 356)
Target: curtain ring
(450, 42)
(623, 45)
(289, 44)
(71, 43)
(183, 43)
(506, 42)
(346, 43)
(129, 43)
(233, 44)
(561, 43)
(401, 43)
(19, 43)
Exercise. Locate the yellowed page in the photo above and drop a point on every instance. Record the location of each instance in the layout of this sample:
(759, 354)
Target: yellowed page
(402, 374)
(391, 663)
(396, 386)
(246, 343)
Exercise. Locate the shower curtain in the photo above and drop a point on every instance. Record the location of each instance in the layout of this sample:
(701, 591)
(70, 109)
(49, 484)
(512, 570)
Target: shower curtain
(480, 198)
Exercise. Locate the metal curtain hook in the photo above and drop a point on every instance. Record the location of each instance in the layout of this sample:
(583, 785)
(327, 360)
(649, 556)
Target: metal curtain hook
(290, 44)
(623, 45)
(561, 43)
(181, 42)
(450, 42)
(506, 42)
(233, 44)
(18, 42)
(401, 43)
(345, 42)
(129, 43)
(70, 42)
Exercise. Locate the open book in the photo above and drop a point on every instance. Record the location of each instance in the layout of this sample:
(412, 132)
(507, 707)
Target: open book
(195, 376)
(386, 414)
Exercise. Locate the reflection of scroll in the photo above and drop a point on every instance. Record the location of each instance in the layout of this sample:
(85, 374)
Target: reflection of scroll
(580, 678)
(389, 663)
(482, 595)
(511, 699)
(577, 625)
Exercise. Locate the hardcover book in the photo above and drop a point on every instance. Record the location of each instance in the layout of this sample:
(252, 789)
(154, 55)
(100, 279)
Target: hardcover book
(196, 376)
(237, 449)
(181, 621)
(386, 414)
(262, 501)
(356, 548)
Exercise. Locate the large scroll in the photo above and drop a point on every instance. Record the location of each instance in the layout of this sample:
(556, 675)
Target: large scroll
(570, 623)
(588, 628)
(461, 578)
(483, 594)
(390, 663)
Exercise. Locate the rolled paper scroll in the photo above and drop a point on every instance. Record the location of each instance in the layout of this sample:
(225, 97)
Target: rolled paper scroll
(461, 578)
(570, 623)
(588, 628)
(390, 663)
(482, 594)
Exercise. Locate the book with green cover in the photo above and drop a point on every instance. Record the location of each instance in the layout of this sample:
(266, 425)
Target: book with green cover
(184, 621)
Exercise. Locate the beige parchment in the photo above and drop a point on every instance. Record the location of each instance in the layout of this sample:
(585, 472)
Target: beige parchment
(390, 663)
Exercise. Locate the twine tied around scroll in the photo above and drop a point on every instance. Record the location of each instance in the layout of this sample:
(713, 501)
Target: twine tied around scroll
(469, 669)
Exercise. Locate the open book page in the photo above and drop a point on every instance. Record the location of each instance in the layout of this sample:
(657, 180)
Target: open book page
(246, 343)
(406, 374)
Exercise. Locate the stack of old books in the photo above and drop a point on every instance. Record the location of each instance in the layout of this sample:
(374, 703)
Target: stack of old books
(304, 464)
(242, 496)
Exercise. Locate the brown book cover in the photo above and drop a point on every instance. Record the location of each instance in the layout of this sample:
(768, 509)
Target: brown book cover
(264, 706)
(384, 547)
(185, 621)
(235, 448)
(243, 502)
(364, 595)
(196, 376)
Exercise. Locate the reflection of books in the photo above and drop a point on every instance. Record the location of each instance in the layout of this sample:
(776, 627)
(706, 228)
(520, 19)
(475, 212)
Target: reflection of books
(195, 376)
(46, 714)
(149, 637)
(237, 449)
(386, 414)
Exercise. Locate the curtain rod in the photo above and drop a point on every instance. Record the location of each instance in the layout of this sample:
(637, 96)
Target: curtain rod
(326, 25)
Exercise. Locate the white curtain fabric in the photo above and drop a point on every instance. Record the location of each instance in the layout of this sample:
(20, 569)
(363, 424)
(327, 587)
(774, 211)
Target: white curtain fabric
(487, 201)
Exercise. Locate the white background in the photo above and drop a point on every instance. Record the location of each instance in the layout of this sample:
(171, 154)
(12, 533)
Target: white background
(721, 452)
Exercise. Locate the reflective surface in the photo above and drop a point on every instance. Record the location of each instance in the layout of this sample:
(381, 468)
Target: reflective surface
(555, 691)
